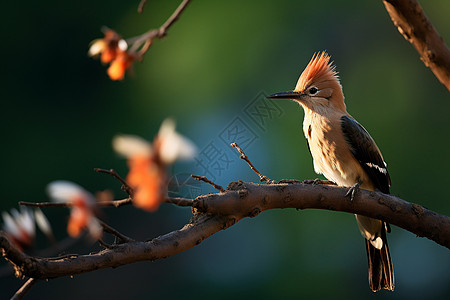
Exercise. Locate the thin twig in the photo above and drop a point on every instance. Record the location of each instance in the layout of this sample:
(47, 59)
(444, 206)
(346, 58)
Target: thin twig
(204, 179)
(116, 203)
(180, 201)
(112, 231)
(46, 204)
(24, 289)
(145, 48)
(262, 178)
(141, 6)
(173, 18)
(104, 244)
(145, 40)
(125, 187)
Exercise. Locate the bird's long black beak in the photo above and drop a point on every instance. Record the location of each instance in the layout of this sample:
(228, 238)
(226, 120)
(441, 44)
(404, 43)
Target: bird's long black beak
(286, 95)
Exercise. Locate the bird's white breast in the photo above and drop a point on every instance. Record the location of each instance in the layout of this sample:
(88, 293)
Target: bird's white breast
(330, 151)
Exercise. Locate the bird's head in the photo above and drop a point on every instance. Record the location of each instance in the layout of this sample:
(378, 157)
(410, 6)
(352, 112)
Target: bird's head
(318, 86)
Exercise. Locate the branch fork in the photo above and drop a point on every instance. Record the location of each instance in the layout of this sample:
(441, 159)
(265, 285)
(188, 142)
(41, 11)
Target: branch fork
(215, 212)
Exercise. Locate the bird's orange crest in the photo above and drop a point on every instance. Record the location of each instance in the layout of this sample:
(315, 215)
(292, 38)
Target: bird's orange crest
(318, 68)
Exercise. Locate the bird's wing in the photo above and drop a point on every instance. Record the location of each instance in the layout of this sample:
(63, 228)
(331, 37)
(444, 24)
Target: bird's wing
(366, 152)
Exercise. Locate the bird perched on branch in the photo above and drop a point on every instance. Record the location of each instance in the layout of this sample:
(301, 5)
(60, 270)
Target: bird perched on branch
(345, 153)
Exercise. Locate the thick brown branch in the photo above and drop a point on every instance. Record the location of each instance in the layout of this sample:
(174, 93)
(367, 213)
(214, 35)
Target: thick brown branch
(249, 199)
(416, 28)
(161, 247)
(221, 210)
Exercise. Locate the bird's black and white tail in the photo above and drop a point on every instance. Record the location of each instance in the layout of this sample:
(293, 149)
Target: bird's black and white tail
(381, 272)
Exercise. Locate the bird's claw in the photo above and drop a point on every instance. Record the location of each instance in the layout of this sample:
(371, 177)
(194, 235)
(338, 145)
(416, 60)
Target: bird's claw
(352, 191)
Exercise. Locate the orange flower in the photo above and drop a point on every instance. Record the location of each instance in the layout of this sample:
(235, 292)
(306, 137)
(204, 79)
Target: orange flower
(120, 64)
(108, 55)
(78, 221)
(113, 49)
(148, 180)
(148, 163)
(82, 214)
(107, 47)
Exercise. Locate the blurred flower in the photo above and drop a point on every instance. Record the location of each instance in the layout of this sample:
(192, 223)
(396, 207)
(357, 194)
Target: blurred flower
(120, 64)
(104, 196)
(43, 224)
(108, 47)
(170, 146)
(82, 215)
(20, 226)
(113, 49)
(148, 162)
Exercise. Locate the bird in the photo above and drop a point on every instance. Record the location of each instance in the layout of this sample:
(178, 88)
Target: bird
(345, 153)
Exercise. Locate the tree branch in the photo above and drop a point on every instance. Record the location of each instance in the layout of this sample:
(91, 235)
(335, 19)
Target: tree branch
(416, 28)
(144, 41)
(161, 247)
(141, 6)
(26, 287)
(215, 212)
(204, 179)
(248, 199)
(262, 178)
(114, 232)
(116, 203)
(125, 187)
(179, 201)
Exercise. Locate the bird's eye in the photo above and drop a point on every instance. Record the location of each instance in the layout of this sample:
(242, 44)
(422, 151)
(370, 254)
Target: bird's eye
(313, 90)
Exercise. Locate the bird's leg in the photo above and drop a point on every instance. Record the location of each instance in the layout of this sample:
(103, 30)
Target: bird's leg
(352, 191)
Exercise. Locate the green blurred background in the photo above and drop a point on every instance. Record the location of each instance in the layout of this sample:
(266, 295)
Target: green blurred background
(60, 112)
